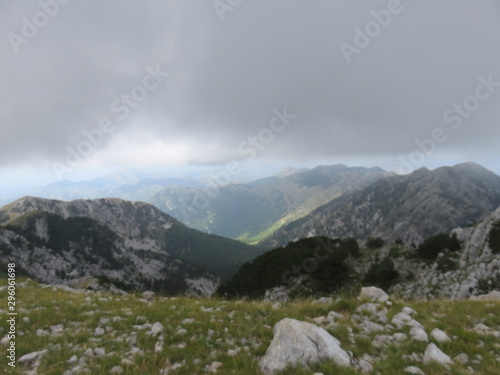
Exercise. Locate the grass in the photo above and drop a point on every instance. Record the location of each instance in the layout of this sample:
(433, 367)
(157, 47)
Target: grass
(236, 333)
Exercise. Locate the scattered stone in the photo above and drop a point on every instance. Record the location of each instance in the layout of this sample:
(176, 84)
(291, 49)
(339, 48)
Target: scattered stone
(491, 296)
(99, 352)
(365, 366)
(149, 296)
(408, 310)
(156, 329)
(319, 320)
(214, 367)
(419, 334)
(332, 317)
(301, 343)
(57, 329)
(41, 332)
(434, 354)
(116, 370)
(369, 326)
(187, 321)
(413, 357)
(402, 319)
(32, 357)
(99, 331)
(371, 308)
(414, 370)
(462, 358)
(439, 335)
(72, 360)
(483, 329)
(373, 294)
(127, 362)
(323, 300)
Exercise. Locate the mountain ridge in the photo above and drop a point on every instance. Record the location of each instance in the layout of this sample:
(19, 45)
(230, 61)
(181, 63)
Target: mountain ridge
(254, 210)
(409, 207)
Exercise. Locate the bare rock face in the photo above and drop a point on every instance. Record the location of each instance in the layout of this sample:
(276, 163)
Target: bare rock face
(301, 343)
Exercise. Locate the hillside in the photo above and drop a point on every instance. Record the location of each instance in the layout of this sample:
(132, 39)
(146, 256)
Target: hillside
(111, 234)
(410, 207)
(466, 262)
(66, 331)
(253, 211)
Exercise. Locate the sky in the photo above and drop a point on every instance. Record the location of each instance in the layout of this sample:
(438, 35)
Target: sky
(88, 87)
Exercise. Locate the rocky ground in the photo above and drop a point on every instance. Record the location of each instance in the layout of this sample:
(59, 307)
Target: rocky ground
(68, 331)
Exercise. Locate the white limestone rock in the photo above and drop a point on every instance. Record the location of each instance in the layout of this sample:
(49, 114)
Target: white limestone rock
(419, 334)
(301, 343)
(373, 294)
(439, 335)
(434, 354)
(413, 370)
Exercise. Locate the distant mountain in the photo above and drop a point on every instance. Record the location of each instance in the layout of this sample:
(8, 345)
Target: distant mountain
(410, 207)
(123, 241)
(255, 210)
(128, 184)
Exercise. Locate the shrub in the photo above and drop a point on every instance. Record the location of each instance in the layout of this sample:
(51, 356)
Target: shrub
(432, 246)
(374, 242)
(381, 274)
(395, 252)
(494, 238)
(485, 286)
(446, 263)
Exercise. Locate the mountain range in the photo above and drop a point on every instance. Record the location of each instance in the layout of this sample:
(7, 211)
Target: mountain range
(138, 246)
(409, 208)
(128, 242)
(253, 211)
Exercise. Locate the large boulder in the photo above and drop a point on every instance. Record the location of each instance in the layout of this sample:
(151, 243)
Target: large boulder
(301, 343)
(373, 294)
(434, 354)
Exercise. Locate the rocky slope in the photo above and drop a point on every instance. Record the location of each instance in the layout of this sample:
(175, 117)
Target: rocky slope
(411, 207)
(113, 239)
(253, 211)
(475, 269)
(318, 265)
(83, 251)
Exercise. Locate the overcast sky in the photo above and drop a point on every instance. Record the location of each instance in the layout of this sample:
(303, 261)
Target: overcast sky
(89, 86)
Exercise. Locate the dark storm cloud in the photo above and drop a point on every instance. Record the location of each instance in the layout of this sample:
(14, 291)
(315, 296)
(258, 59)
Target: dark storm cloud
(228, 75)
